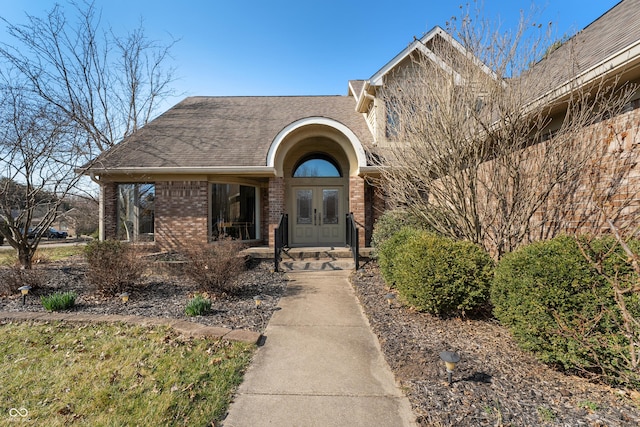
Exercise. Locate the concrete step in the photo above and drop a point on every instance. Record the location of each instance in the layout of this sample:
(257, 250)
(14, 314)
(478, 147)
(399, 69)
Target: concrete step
(318, 265)
(264, 252)
(310, 258)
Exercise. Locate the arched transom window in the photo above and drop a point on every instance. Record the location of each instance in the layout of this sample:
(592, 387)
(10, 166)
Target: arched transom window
(317, 166)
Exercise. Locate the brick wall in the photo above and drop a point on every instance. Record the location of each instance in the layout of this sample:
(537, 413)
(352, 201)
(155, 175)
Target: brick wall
(375, 205)
(182, 209)
(357, 205)
(276, 203)
(264, 214)
(110, 210)
(609, 181)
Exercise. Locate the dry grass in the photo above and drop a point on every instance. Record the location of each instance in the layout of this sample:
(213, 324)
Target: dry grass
(98, 374)
(43, 254)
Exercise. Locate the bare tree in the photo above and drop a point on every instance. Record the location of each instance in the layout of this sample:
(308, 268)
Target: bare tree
(107, 84)
(83, 89)
(478, 141)
(38, 151)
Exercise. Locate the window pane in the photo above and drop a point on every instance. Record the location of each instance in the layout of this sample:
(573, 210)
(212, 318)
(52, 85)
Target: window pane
(136, 210)
(316, 168)
(234, 211)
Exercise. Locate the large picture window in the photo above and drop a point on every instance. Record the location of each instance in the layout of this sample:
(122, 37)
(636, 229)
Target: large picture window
(136, 212)
(233, 211)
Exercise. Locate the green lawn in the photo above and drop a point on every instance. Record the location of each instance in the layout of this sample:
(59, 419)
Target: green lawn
(114, 374)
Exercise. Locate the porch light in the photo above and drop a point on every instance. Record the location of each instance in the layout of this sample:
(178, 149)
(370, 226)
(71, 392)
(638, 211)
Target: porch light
(258, 300)
(125, 297)
(390, 297)
(450, 360)
(24, 290)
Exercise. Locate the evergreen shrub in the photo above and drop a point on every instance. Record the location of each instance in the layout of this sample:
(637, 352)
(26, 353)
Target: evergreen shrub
(390, 223)
(391, 249)
(560, 307)
(440, 275)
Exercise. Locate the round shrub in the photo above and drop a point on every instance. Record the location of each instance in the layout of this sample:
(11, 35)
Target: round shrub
(390, 250)
(390, 223)
(442, 276)
(560, 307)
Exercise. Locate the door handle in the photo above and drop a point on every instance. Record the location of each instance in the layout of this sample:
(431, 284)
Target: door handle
(315, 217)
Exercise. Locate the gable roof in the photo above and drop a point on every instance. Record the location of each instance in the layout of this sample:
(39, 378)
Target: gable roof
(209, 133)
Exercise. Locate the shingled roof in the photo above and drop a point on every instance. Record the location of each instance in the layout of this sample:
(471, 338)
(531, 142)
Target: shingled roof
(202, 132)
(608, 38)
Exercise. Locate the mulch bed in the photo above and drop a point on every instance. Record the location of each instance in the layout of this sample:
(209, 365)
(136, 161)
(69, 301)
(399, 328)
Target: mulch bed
(161, 294)
(495, 384)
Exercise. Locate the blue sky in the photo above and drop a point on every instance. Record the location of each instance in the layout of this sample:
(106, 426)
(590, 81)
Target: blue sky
(296, 47)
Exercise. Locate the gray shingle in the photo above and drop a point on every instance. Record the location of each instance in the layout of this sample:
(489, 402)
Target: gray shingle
(614, 31)
(225, 131)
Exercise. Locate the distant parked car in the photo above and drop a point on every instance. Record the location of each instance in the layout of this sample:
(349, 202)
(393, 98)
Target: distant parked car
(31, 232)
(52, 233)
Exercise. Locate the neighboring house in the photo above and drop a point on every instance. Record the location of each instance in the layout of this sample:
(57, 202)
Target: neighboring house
(213, 167)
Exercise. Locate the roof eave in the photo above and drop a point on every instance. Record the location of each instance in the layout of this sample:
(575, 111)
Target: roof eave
(203, 170)
(621, 61)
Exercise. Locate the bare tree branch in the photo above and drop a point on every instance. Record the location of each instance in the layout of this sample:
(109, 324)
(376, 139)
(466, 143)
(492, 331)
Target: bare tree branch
(476, 146)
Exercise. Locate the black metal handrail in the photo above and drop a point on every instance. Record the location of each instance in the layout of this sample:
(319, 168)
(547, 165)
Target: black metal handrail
(352, 239)
(281, 239)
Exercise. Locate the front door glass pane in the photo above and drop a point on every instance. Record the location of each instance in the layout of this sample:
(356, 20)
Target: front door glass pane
(304, 209)
(330, 206)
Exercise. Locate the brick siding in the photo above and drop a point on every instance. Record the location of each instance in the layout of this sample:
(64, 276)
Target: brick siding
(357, 205)
(181, 216)
(276, 205)
(110, 210)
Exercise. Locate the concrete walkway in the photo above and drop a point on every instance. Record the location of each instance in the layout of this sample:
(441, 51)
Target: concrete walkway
(320, 365)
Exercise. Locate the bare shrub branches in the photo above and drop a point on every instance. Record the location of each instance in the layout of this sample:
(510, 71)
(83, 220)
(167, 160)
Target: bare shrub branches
(478, 140)
(216, 266)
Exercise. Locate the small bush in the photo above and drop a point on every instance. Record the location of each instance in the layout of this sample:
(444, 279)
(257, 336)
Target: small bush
(390, 223)
(390, 250)
(440, 275)
(216, 266)
(59, 301)
(560, 308)
(113, 266)
(15, 277)
(198, 306)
